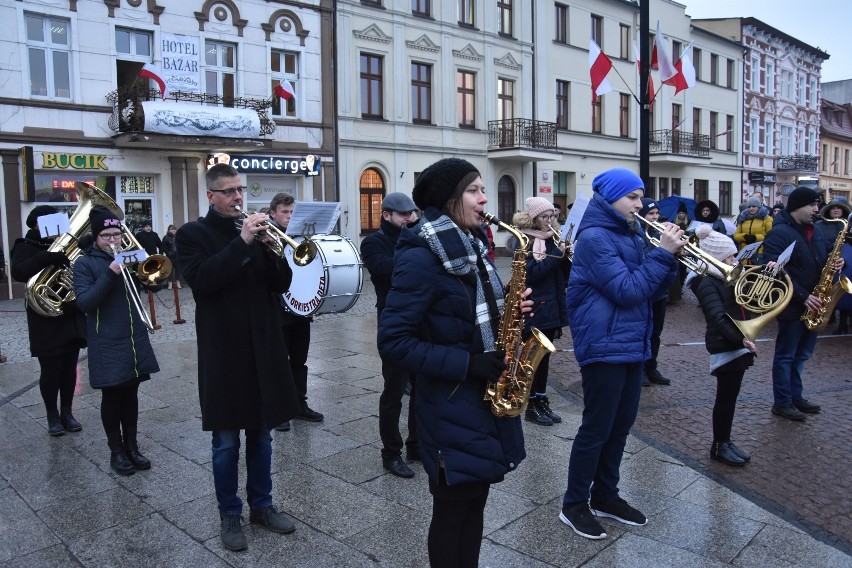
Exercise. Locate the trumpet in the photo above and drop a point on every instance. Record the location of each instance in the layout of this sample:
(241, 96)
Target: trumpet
(303, 253)
(694, 258)
(557, 240)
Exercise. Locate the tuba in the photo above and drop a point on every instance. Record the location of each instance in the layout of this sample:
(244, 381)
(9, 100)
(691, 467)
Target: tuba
(51, 287)
(511, 393)
(828, 291)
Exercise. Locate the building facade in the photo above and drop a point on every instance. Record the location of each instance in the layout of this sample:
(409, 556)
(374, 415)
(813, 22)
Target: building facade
(781, 116)
(73, 106)
(835, 171)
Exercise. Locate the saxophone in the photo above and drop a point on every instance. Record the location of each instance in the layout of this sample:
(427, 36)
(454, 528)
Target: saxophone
(828, 291)
(511, 393)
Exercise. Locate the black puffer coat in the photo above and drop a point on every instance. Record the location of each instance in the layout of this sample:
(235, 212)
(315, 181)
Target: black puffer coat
(119, 348)
(49, 336)
(244, 379)
(717, 302)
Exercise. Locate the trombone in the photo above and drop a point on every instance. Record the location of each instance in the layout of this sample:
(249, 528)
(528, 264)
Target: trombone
(303, 253)
(150, 272)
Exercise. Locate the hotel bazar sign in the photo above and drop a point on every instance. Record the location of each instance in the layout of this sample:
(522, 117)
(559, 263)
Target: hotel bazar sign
(64, 161)
(308, 165)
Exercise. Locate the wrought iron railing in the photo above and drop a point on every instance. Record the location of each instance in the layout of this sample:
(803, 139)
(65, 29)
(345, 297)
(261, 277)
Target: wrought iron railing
(522, 133)
(127, 113)
(803, 163)
(680, 143)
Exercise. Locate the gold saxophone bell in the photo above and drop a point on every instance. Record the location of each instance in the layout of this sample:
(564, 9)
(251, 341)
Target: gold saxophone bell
(303, 253)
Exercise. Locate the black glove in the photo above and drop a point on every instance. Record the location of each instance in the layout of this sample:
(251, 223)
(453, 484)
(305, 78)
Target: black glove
(749, 239)
(486, 367)
(57, 259)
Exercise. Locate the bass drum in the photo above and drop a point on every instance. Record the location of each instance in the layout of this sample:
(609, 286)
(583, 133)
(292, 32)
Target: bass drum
(330, 283)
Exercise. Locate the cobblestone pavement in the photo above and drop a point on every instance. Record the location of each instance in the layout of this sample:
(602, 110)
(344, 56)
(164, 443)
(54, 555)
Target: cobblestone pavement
(801, 471)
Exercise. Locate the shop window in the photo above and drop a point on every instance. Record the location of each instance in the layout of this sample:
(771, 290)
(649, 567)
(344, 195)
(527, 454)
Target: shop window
(284, 66)
(372, 191)
(49, 54)
(60, 190)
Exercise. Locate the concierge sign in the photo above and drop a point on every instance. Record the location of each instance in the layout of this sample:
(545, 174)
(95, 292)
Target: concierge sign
(308, 165)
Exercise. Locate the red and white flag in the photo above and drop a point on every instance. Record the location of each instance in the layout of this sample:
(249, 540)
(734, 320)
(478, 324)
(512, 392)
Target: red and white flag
(285, 90)
(650, 77)
(151, 71)
(684, 77)
(599, 66)
(660, 58)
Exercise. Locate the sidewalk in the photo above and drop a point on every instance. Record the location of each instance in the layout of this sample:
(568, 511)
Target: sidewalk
(60, 504)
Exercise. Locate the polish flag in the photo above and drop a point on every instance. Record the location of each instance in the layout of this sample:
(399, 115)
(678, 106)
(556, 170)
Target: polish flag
(599, 66)
(660, 57)
(150, 71)
(285, 90)
(684, 77)
(650, 77)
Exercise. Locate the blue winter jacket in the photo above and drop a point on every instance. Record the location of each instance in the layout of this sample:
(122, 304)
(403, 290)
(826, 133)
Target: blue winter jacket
(611, 287)
(119, 347)
(427, 327)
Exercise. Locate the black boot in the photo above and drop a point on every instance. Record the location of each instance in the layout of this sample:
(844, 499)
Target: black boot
(536, 414)
(54, 425)
(118, 460)
(544, 404)
(722, 452)
(68, 421)
(139, 461)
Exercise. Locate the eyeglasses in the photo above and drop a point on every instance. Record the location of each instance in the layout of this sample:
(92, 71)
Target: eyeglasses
(546, 217)
(111, 236)
(230, 191)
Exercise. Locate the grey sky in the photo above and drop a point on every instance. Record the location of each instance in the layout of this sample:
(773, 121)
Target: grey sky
(825, 24)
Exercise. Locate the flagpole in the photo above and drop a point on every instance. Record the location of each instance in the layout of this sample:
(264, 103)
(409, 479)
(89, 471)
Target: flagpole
(625, 83)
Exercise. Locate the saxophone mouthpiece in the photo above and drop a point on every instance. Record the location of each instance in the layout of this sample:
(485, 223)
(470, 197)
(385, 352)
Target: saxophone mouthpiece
(489, 218)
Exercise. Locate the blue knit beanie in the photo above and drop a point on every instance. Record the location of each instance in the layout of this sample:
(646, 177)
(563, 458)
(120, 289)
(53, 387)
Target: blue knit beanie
(614, 184)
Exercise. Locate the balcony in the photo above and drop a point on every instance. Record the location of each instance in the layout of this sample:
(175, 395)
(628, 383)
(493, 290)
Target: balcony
(801, 163)
(229, 132)
(678, 146)
(522, 139)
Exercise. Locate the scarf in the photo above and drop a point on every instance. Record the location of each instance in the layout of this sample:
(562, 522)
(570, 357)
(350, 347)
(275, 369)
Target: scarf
(540, 238)
(461, 255)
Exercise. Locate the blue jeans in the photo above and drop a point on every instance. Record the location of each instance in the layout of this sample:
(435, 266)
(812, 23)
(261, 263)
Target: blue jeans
(610, 404)
(226, 466)
(793, 346)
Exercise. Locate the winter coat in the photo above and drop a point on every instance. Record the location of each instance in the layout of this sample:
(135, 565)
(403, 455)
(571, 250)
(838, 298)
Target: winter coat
(377, 252)
(758, 225)
(805, 264)
(717, 301)
(244, 379)
(49, 336)
(119, 347)
(713, 218)
(150, 241)
(611, 288)
(663, 292)
(428, 327)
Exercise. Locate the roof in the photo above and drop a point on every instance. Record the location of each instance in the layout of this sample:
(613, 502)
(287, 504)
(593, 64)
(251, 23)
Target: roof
(750, 21)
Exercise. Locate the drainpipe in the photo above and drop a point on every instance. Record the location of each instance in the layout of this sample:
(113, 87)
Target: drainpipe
(534, 100)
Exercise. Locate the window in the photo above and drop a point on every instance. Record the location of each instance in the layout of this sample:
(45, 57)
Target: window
(466, 98)
(421, 93)
(466, 12)
(714, 68)
(560, 183)
(696, 121)
(284, 67)
(505, 99)
(802, 98)
(221, 71)
(814, 94)
(134, 50)
(755, 75)
(825, 157)
(729, 74)
(811, 142)
(754, 133)
(504, 17)
(729, 126)
(421, 8)
(696, 62)
(624, 115)
(651, 188)
(371, 86)
(769, 138)
(675, 186)
(506, 200)
(664, 188)
(372, 191)
(596, 114)
(836, 163)
(677, 49)
(770, 80)
(133, 42)
(846, 162)
(561, 17)
(562, 104)
(676, 110)
(624, 52)
(597, 30)
(701, 189)
(800, 141)
(725, 188)
(786, 140)
(48, 49)
(714, 129)
(786, 84)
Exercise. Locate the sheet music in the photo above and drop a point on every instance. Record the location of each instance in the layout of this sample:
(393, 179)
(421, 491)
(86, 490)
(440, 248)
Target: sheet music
(748, 251)
(313, 218)
(53, 225)
(783, 258)
(572, 222)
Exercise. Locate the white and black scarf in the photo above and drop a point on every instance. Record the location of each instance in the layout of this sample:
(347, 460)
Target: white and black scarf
(462, 254)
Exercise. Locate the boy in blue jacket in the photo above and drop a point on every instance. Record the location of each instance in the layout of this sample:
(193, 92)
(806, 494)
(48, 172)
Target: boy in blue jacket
(612, 285)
